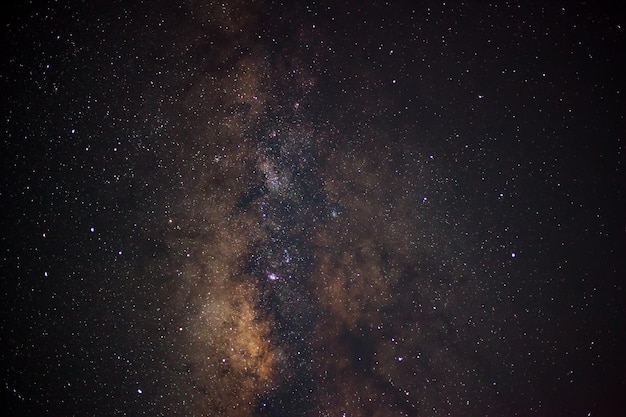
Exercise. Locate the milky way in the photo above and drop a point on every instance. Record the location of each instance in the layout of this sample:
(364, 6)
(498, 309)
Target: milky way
(221, 209)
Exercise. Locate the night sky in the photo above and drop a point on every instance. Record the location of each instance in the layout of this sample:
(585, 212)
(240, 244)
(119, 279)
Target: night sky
(336, 209)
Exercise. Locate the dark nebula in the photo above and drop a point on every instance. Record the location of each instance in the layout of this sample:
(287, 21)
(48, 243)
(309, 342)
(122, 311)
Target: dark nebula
(325, 209)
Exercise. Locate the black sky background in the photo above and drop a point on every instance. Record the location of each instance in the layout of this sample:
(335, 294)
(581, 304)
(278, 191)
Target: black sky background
(438, 187)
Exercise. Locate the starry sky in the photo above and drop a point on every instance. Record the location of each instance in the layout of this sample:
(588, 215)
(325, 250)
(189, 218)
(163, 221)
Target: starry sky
(350, 209)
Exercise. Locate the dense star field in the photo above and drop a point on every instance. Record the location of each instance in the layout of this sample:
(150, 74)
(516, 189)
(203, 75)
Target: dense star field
(337, 209)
